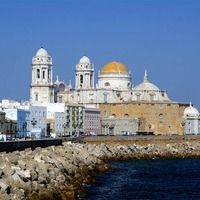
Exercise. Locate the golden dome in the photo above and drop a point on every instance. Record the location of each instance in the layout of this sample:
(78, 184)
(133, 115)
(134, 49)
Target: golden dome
(114, 68)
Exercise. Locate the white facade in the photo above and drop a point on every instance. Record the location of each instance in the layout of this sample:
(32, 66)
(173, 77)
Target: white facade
(192, 120)
(114, 84)
(59, 123)
(84, 74)
(42, 78)
(38, 121)
(91, 121)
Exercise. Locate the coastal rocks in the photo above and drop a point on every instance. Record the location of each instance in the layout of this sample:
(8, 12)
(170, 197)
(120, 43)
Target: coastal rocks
(59, 172)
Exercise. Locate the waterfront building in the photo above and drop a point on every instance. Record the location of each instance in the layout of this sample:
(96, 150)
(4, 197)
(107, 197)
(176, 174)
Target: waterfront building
(114, 94)
(23, 123)
(38, 121)
(191, 120)
(119, 125)
(19, 117)
(91, 121)
(3, 125)
(73, 120)
(156, 117)
(59, 124)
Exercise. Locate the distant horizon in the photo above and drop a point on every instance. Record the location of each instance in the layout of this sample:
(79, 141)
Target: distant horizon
(162, 37)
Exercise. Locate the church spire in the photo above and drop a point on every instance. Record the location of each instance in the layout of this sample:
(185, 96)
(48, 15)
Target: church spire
(145, 76)
(57, 79)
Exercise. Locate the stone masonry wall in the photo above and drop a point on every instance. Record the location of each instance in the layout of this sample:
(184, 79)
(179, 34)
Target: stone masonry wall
(160, 118)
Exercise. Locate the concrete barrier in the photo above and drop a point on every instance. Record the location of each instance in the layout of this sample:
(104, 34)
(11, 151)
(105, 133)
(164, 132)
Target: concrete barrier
(10, 146)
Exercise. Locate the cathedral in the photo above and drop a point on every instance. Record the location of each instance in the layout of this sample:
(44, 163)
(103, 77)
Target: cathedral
(124, 107)
(114, 84)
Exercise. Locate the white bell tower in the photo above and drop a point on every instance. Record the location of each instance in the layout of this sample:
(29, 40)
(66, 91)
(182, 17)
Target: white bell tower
(42, 81)
(84, 74)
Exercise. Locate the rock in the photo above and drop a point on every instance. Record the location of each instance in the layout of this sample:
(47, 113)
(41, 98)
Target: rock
(34, 175)
(25, 175)
(38, 158)
(22, 164)
(16, 177)
(42, 180)
(4, 187)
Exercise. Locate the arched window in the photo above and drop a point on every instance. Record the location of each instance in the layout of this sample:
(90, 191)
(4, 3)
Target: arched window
(81, 80)
(43, 74)
(152, 95)
(61, 87)
(38, 73)
(138, 96)
(107, 84)
(126, 115)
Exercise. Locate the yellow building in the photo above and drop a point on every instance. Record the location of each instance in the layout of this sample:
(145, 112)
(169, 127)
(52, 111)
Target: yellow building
(157, 117)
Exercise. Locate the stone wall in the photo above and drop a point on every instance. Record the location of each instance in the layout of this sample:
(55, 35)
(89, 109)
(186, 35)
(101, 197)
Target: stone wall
(157, 117)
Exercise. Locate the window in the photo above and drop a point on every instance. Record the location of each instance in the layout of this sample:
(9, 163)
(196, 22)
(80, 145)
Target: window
(161, 118)
(152, 96)
(60, 99)
(107, 84)
(43, 74)
(38, 73)
(138, 96)
(36, 97)
(81, 80)
(105, 97)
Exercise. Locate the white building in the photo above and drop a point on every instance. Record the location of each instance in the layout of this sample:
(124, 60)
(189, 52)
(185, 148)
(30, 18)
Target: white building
(91, 121)
(114, 84)
(192, 120)
(38, 121)
(42, 89)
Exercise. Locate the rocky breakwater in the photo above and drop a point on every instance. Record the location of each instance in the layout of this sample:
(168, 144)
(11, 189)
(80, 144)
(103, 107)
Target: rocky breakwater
(59, 172)
(48, 173)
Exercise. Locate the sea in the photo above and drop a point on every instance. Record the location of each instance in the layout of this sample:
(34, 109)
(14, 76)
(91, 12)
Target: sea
(148, 179)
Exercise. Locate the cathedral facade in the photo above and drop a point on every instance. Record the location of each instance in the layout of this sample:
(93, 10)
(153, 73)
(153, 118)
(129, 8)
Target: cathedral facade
(114, 84)
(114, 93)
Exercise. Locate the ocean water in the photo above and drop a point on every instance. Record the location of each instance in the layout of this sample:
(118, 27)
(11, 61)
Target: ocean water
(148, 179)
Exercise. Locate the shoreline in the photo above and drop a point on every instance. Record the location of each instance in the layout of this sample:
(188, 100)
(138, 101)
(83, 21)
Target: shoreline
(58, 172)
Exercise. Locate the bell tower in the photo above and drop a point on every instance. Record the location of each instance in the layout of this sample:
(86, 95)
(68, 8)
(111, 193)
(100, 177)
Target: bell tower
(41, 89)
(84, 74)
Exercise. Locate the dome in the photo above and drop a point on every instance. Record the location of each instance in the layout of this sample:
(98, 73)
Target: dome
(191, 112)
(114, 68)
(146, 85)
(42, 52)
(85, 59)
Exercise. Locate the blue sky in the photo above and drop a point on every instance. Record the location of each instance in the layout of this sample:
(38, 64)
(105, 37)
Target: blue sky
(162, 36)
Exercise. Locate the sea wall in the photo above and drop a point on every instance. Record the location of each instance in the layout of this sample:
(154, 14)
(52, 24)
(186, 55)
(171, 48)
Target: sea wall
(10, 146)
(58, 172)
